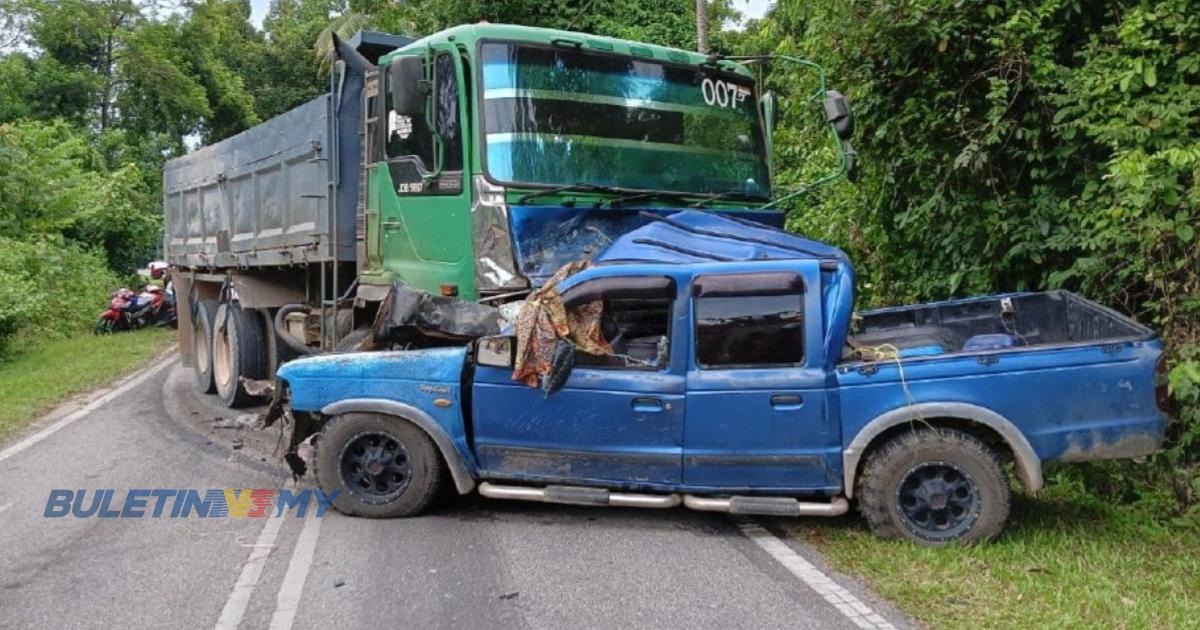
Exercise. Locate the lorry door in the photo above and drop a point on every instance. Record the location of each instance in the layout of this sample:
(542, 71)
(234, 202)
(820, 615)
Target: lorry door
(421, 216)
(617, 418)
(756, 389)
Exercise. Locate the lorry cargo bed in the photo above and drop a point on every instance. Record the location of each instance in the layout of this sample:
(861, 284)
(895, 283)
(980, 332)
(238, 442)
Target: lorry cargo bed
(262, 197)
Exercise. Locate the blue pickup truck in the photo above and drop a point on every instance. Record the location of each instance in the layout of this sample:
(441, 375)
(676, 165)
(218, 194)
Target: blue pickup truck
(742, 381)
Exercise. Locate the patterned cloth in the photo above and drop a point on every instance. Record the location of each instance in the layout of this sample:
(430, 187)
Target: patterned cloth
(544, 320)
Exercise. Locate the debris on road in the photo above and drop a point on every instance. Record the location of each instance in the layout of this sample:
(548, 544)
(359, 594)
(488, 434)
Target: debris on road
(264, 388)
(243, 422)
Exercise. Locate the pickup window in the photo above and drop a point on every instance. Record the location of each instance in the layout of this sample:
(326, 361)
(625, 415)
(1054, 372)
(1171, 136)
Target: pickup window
(751, 320)
(635, 320)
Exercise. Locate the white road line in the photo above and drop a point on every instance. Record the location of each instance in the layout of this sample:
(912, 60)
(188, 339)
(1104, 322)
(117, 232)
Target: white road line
(5, 507)
(288, 600)
(239, 598)
(849, 605)
(127, 385)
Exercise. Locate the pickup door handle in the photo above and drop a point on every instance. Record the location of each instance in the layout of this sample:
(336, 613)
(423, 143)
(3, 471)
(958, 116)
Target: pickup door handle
(648, 405)
(786, 401)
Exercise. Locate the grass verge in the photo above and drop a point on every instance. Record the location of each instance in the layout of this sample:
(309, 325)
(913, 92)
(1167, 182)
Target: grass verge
(36, 375)
(1066, 560)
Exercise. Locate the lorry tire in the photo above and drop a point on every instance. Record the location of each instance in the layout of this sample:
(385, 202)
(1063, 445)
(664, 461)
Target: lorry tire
(277, 351)
(934, 487)
(203, 314)
(239, 350)
(380, 466)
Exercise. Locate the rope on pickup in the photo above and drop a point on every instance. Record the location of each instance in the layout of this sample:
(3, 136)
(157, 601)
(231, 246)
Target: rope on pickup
(889, 352)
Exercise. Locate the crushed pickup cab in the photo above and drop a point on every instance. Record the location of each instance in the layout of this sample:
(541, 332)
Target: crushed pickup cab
(742, 381)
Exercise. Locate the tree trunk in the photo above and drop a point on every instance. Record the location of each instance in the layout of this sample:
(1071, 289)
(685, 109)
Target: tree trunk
(702, 26)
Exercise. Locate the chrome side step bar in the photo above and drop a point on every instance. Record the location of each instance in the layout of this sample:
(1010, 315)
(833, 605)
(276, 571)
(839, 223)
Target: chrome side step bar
(767, 506)
(578, 495)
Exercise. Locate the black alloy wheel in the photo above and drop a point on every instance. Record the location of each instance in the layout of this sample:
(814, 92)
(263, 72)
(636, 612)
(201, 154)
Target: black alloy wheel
(375, 467)
(938, 501)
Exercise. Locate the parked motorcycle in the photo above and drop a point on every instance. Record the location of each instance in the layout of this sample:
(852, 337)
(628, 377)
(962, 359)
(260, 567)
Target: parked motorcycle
(153, 306)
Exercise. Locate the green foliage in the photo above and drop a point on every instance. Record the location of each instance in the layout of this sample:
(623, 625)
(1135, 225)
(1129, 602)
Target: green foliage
(1013, 144)
(49, 287)
(664, 22)
(56, 183)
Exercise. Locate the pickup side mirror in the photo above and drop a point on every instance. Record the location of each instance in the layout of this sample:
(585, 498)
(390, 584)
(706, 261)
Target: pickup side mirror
(497, 351)
(838, 114)
(408, 86)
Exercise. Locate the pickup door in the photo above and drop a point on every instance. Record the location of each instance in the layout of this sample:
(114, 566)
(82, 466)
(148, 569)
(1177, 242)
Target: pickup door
(756, 387)
(617, 422)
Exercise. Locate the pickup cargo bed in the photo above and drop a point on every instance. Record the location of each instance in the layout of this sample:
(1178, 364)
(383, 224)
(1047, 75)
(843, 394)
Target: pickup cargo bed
(1019, 320)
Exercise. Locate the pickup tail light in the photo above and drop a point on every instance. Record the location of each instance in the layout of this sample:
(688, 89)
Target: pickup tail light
(1162, 394)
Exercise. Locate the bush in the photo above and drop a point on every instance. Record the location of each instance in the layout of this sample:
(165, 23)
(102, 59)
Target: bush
(49, 287)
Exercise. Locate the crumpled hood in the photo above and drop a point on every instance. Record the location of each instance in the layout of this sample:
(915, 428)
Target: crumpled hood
(698, 236)
(317, 381)
(546, 237)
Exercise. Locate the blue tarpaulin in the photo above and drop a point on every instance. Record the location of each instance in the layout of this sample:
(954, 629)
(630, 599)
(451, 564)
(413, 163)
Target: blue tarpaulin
(695, 236)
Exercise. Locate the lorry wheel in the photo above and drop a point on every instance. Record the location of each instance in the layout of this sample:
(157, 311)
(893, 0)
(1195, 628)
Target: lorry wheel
(277, 351)
(202, 343)
(381, 467)
(239, 350)
(934, 487)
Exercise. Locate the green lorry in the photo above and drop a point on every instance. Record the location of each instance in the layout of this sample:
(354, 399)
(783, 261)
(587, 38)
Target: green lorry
(468, 165)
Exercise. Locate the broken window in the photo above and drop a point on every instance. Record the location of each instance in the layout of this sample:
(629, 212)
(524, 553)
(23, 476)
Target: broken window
(635, 320)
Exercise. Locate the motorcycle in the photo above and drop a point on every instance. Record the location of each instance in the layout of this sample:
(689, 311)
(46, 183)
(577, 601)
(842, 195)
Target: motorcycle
(130, 311)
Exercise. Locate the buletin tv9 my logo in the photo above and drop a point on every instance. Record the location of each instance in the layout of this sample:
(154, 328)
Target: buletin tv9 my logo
(187, 503)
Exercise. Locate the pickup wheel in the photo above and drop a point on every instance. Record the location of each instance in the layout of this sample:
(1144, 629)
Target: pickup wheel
(934, 487)
(381, 467)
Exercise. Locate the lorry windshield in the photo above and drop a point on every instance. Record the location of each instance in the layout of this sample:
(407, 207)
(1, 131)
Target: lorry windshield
(557, 116)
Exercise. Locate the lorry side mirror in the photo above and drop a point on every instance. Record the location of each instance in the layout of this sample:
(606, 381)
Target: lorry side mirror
(496, 351)
(407, 85)
(838, 114)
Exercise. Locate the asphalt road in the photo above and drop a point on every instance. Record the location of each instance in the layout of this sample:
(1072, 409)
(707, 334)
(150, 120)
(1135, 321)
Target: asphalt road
(472, 563)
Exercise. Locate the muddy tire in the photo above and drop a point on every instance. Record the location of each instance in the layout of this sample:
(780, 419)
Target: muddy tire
(203, 314)
(239, 351)
(381, 466)
(934, 487)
